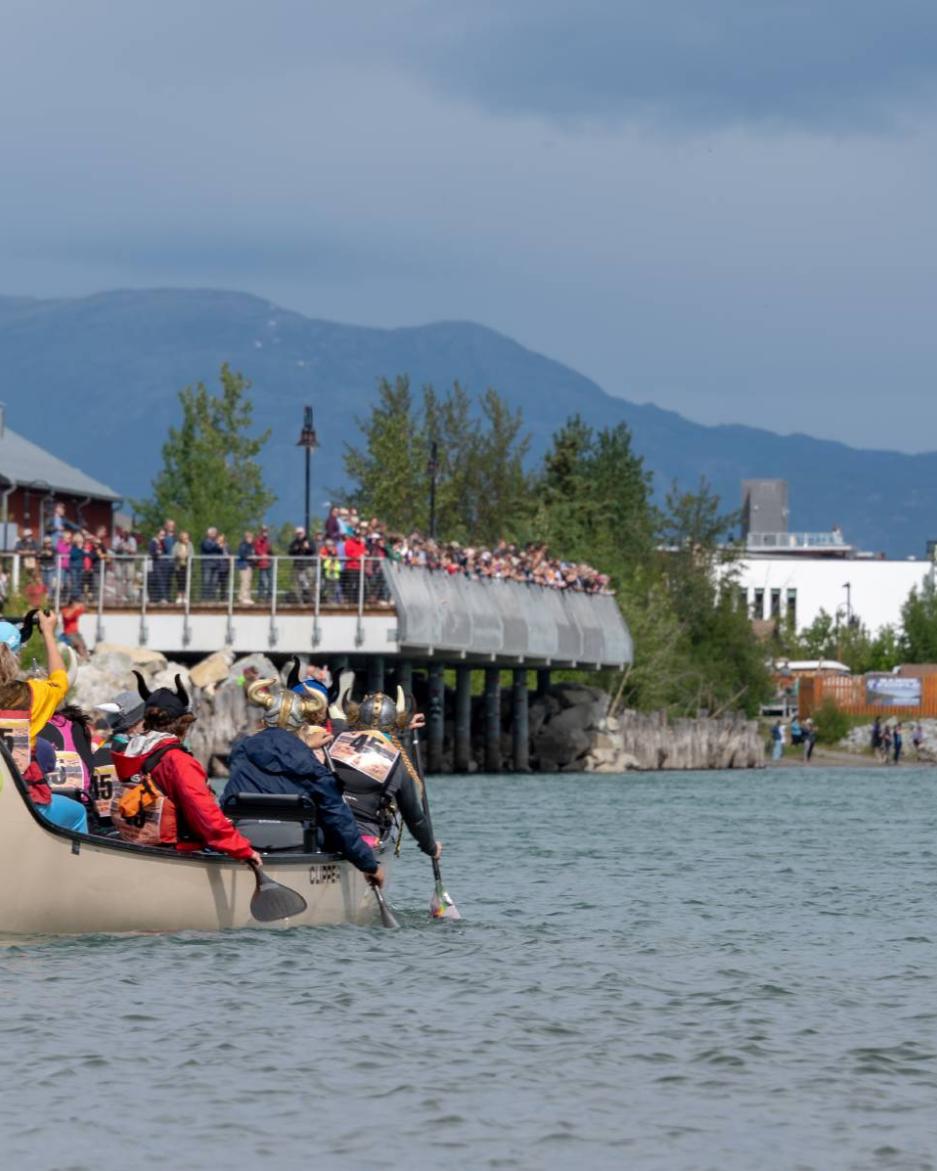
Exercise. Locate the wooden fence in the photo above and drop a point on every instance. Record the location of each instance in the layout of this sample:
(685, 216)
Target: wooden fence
(849, 693)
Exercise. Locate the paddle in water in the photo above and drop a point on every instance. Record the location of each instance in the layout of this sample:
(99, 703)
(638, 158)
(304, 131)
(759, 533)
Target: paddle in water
(441, 905)
(271, 900)
(388, 919)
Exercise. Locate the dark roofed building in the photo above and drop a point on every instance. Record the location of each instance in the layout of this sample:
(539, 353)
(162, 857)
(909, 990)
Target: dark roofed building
(32, 481)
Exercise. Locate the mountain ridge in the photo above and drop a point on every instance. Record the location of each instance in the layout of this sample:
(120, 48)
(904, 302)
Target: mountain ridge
(121, 356)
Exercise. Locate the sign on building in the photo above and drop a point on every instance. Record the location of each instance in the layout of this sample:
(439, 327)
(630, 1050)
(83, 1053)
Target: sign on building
(892, 691)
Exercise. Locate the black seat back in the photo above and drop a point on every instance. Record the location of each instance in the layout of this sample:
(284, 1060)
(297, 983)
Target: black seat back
(266, 819)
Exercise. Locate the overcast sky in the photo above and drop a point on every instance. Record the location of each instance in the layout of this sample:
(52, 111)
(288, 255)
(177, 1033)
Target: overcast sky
(725, 207)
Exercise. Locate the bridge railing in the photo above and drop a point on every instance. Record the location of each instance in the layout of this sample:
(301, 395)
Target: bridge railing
(429, 609)
(198, 583)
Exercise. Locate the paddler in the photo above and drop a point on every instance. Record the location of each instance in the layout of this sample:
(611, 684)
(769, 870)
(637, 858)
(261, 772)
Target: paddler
(157, 754)
(38, 699)
(371, 757)
(281, 758)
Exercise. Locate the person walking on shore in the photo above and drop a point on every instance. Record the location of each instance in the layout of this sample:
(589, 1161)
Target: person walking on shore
(810, 739)
(777, 740)
(897, 741)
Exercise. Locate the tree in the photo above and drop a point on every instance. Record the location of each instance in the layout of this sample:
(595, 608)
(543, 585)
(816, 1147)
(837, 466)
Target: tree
(210, 473)
(482, 490)
(594, 499)
(390, 470)
(728, 664)
(919, 624)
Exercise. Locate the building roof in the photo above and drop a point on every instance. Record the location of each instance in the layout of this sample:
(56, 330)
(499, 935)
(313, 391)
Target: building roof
(23, 463)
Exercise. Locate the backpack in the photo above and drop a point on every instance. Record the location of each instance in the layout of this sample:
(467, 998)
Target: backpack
(140, 811)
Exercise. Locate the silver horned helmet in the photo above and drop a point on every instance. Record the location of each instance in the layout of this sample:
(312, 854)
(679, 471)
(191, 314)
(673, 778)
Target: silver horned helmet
(380, 711)
(284, 708)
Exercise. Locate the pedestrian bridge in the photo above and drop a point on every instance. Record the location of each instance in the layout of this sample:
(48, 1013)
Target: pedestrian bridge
(384, 608)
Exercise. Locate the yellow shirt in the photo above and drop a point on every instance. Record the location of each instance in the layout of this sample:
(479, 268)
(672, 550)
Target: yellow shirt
(47, 695)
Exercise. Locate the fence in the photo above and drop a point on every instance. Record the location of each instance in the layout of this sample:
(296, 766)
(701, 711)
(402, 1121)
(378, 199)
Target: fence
(849, 693)
(423, 611)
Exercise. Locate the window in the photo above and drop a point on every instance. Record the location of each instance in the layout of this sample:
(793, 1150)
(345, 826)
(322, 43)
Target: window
(758, 605)
(775, 603)
(792, 608)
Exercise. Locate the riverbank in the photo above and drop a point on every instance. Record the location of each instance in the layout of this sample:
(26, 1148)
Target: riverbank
(569, 724)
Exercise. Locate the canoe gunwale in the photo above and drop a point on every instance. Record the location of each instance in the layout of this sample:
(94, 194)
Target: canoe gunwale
(198, 858)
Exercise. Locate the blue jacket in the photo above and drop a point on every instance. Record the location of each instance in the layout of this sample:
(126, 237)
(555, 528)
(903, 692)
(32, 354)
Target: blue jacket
(275, 761)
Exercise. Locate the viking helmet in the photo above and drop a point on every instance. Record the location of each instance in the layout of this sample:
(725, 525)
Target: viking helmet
(172, 703)
(284, 708)
(378, 710)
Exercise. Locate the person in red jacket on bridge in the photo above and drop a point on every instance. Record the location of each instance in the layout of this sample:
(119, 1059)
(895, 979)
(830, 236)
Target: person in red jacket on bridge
(158, 752)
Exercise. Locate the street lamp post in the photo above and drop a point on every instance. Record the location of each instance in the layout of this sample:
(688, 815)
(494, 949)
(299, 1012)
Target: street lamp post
(432, 468)
(308, 440)
(847, 586)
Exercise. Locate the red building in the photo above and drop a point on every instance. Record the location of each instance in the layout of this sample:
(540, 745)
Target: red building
(33, 481)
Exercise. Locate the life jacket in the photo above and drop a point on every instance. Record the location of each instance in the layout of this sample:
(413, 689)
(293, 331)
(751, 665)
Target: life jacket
(39, 791)
(140, 811)
(72, 753)
(364, 763)
(331, 567)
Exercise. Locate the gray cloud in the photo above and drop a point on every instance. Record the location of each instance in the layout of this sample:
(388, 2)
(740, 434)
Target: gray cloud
(512, 163)
(819, 63)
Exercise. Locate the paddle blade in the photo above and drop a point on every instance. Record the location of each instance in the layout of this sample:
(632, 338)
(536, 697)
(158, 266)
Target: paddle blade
(388, 919)
(441, 905)
(271, 901)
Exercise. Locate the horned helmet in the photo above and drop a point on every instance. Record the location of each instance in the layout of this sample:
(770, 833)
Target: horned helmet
(377, 710)
(284, 708)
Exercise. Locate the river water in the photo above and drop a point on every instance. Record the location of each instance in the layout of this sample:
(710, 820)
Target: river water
(685, 971)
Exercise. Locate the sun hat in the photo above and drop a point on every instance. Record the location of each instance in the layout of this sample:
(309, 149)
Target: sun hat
(10, 636)
(123, 711)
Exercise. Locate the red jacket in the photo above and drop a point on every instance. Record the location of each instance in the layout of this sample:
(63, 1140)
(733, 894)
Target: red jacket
(354, 551)
(182, 779)
(262, 552)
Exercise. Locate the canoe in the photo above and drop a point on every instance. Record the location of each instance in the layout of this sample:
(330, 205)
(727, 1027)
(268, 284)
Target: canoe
(54, 881)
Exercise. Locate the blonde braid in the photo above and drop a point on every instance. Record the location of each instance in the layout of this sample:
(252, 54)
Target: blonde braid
(408, 763)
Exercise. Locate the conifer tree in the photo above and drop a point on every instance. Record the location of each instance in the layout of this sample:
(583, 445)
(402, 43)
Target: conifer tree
(210, 474)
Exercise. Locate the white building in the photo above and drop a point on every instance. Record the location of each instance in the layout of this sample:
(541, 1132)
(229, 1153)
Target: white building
(801, 586)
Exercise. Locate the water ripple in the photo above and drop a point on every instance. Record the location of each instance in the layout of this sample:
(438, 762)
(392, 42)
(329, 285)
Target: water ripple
(696, 972)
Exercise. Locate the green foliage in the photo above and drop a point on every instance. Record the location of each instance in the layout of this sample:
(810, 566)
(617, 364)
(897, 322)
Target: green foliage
(832, 723)
(482, 493)
(846, 642)
(593, 499)
(919, 624)
(210, 473)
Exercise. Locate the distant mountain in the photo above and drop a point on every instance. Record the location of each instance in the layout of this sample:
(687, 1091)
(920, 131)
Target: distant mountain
(95, 379)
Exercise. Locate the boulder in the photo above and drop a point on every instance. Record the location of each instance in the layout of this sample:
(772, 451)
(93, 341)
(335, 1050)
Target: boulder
(207, 674)
(140, 656)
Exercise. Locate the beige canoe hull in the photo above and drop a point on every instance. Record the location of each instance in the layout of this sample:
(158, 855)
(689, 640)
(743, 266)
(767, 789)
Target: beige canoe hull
(64, 884)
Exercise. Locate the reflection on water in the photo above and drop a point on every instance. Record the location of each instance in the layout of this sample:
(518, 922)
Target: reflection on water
(683, 971)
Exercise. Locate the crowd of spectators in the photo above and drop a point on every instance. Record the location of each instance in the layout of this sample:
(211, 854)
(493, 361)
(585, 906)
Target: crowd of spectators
(68, 561)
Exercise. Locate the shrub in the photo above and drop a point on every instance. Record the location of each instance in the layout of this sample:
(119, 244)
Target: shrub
(832, 723)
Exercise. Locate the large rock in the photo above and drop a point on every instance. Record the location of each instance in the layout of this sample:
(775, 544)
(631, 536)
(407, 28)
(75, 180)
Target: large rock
(207, 674)
(139, 656)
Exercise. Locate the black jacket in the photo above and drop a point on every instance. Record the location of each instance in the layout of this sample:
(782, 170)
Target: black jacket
(276, 761)
(369, 800)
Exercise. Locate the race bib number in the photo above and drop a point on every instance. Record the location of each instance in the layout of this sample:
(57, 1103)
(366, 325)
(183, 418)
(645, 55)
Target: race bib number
(366, 751)
(101, 789)
(14, 728)
(69, 770)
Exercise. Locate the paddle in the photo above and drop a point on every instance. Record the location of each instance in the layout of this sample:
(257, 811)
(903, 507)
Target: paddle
(441, 905)
(271, 900)
(387, 915)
